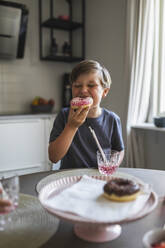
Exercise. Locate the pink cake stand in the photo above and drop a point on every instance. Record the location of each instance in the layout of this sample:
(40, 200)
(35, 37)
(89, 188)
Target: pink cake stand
(97, 233)
(86, 229)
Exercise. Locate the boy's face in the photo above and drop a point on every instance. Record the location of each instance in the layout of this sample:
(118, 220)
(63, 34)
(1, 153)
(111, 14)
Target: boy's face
(89, 85)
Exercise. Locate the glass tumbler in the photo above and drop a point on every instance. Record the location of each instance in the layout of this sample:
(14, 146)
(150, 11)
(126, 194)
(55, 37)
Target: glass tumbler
(9, 190)
(108, 164)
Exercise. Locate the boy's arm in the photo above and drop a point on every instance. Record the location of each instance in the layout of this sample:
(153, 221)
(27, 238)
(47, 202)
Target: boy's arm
(59, 147)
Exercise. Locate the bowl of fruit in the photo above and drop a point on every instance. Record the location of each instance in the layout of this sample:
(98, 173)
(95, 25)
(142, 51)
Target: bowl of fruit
(41, 105)
(154, 238)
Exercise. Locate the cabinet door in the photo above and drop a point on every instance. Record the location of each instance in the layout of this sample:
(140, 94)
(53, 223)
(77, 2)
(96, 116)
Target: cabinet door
(22, 144)
(49, 126)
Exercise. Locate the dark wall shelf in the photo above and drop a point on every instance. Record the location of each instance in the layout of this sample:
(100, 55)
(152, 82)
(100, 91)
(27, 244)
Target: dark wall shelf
(62, 58)
(61, 24)
(6, 36)
(69, 26)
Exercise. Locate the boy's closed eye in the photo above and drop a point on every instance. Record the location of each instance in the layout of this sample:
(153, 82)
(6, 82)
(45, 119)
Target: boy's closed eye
(91, 85)
(77, 85)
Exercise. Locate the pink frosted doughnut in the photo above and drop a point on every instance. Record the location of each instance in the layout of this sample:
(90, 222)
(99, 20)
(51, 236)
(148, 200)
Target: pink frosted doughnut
(79, 101)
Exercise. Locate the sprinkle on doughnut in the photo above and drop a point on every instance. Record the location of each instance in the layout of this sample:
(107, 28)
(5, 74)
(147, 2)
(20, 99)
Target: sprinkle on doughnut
(79, 101)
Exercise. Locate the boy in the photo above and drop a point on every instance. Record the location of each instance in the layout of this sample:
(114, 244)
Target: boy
(71, 140)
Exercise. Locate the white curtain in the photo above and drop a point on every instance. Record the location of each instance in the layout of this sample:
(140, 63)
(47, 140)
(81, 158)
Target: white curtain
(157, 99)
(140, 34)
(145, 63)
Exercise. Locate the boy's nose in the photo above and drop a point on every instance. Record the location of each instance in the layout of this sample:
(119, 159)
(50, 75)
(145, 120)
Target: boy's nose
(84, 89)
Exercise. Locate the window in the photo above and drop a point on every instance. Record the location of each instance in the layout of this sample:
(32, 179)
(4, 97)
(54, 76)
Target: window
(157, 96)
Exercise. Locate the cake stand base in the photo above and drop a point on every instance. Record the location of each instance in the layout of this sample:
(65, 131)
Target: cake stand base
(97, 233)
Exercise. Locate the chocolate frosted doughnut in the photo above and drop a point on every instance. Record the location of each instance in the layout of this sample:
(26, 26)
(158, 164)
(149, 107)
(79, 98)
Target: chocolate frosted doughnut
(120, 189)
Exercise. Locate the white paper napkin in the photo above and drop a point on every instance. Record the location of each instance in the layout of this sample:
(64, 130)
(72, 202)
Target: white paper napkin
(85, 198)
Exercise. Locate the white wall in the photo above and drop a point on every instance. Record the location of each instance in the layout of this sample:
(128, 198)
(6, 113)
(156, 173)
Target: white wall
(105, 42)
(22, 80)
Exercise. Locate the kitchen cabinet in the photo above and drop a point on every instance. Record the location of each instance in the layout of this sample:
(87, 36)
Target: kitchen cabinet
(71, 47)
(49, 124)
(24, 144)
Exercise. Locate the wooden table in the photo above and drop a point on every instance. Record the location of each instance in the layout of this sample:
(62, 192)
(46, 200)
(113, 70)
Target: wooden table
(132, 233)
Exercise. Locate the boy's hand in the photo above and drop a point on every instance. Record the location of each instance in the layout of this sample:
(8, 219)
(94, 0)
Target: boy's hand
(77, 118)
(5, 205)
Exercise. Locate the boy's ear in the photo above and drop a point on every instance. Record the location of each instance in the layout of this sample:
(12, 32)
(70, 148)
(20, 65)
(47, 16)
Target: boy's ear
(106, 90)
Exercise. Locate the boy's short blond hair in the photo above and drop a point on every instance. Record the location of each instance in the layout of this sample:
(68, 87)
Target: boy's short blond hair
(87, 66)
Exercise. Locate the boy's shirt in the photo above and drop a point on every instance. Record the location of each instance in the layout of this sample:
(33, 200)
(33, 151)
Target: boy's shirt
(82, 152)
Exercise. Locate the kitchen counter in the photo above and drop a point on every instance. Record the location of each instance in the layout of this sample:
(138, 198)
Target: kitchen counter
(20, 115)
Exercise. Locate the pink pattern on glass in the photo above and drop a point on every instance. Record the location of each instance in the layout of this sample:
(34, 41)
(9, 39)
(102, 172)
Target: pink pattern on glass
(107, 170)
